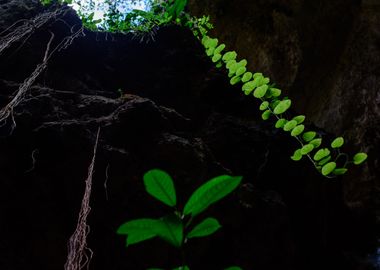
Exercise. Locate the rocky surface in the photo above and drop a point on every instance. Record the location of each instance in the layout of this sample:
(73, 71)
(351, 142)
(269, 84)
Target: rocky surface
(177, 113)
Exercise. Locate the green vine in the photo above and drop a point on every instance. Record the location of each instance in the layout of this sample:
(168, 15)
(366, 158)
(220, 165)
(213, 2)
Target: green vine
(328, 160)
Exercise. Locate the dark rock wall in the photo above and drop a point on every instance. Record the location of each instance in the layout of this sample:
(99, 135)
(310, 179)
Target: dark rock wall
(326, 56)
(178, 113)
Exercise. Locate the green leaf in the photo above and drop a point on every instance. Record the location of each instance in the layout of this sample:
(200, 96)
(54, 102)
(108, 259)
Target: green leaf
(290, 125)
(308, 136)
(246, 77)
(306, 149)
(266, 115)
(328, 168)
(321, 153)
(138, 230)
(205, 228)
(243, 63)
(274, 103)
(359, 158)
(339, 171)
(234, 80)
(230, 63)
(281, 123)
(297, 130)
(170, 229)
(324, 160)
(300, 119)
(260, 91)
(220, 48)
(233, 268)
(274, 92)
(316, 142)
(297, 155)
(283, 106)
(211, 192)
(216, 57)
(248, 87)
(337, 143)
(210, 51)
(264, 106)
(256, 75)
(229, 56)
(241, 71)
(212, 42)
(160, 185)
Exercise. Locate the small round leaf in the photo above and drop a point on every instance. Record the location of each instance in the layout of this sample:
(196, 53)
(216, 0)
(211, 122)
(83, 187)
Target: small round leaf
(264, 106)
(266, 115)
(328, 168)
(300, 119)
(281, 123)
(297, 130)
(297, 155)
(260, 91)
(308, 136)
(359, 158)
(290, 125)
(246, 77)
(306, 149)
(338, 142)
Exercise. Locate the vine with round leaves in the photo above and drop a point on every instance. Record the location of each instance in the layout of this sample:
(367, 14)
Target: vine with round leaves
(329, 160)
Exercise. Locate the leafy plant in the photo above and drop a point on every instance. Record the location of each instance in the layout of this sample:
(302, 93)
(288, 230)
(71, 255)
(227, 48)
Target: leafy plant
(329, 161)
(177, 227)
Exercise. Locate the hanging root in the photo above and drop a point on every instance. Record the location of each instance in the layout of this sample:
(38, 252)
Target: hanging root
(79, 255)
(17, 33)
(7, 111)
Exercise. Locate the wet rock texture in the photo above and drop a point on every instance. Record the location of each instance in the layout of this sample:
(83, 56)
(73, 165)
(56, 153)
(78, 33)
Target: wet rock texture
(326, 56)
(178, 113)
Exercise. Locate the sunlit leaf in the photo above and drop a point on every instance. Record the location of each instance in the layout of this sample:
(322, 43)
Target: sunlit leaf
(306, 149)
(229, 56)
(297, 130)
(265, 115)
(316, 142)
(308, 136)
(246, 77)
(160, 185)
(281, 123)
(210, 192)
(328, 168)
(321, 153)
(360, 158)
(234, 80)
(297, 155)
(205, 228)
(300, 119)
(241, 71)
(260, 91)
(290, 125)
(138, 230)
(283, 106)
(337, 143)
(264, 106)
(340, 171)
